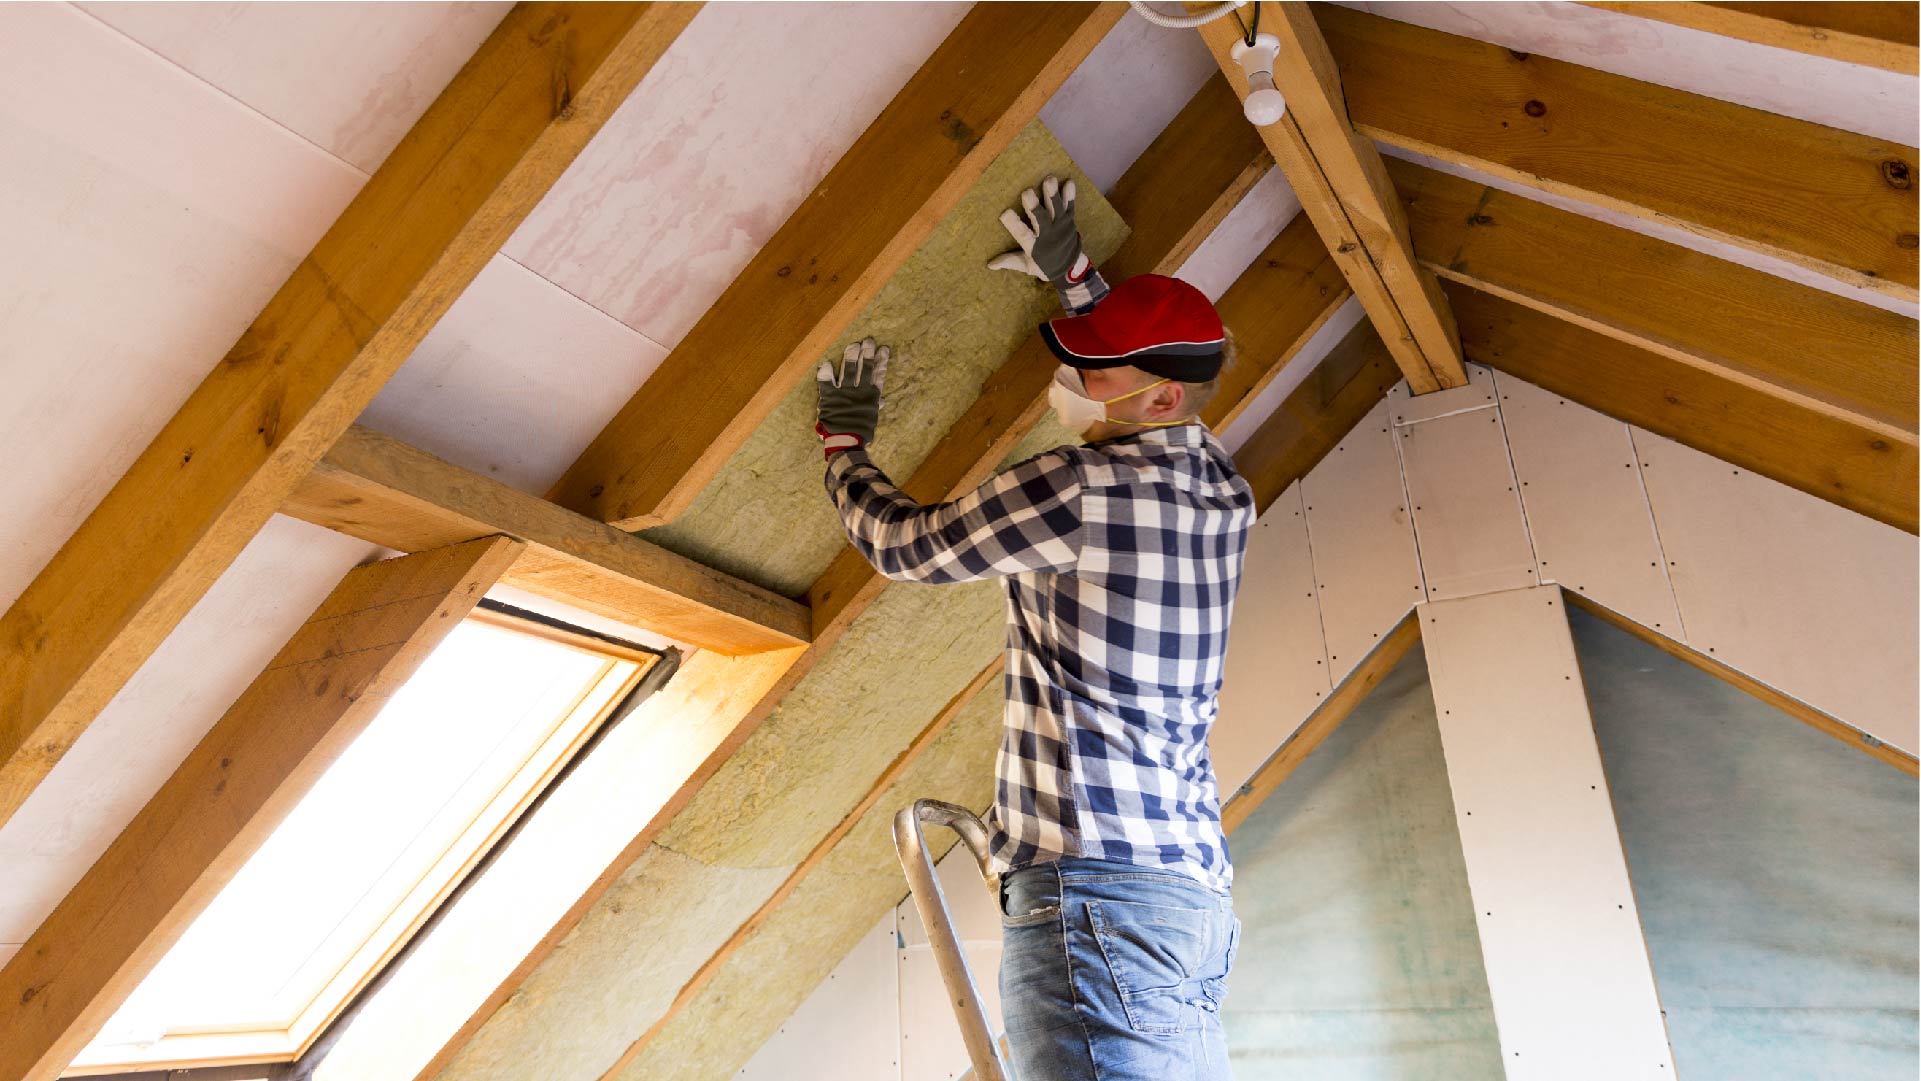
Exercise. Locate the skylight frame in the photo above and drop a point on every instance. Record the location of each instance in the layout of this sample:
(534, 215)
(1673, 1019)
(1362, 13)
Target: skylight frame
(620, 674)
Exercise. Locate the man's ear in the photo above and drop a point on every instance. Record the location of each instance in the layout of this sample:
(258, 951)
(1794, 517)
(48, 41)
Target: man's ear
(1166, 400)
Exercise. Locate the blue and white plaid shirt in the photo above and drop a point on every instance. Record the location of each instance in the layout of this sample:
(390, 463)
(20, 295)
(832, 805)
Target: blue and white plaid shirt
(1120, 561)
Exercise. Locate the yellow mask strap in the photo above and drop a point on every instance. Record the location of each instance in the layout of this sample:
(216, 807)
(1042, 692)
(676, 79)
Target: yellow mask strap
(1146, 423)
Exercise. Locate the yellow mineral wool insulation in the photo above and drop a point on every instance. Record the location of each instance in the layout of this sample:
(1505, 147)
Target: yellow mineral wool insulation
(951, 322)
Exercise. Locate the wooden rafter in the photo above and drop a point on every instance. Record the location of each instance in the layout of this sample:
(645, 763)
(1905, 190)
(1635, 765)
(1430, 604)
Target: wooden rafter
(1346, 192)
(1320, 724)
(1839, 356)
(983, 84)
(423, 226)
(379, 489)
(1311, 421)
(316, 695)
(1833, 201)
(1180, 189)
(1877, 33)
(1801, 447)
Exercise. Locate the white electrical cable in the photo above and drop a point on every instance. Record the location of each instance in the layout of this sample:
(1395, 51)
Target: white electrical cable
(1183, 22)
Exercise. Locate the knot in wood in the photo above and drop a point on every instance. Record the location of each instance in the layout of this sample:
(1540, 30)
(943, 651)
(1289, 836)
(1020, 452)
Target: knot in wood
(1897, 173)
(1534, 108)
(1908, 241)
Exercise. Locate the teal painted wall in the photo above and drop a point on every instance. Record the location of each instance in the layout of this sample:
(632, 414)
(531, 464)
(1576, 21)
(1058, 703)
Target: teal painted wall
(1775, 869)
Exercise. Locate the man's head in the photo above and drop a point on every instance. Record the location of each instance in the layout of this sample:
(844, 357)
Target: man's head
(1149, 356)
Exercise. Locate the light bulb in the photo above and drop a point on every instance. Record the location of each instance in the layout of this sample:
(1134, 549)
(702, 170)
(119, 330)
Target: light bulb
(1264, 104)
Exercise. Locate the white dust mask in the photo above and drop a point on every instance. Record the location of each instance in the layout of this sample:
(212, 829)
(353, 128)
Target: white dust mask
(1078, 412)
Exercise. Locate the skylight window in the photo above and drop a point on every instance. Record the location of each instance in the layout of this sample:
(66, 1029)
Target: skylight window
(383, 836)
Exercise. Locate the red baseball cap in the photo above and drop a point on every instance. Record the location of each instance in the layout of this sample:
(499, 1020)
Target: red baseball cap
(1153, 322)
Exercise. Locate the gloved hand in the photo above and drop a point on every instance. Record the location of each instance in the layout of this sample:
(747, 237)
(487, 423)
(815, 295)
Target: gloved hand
(850, 396)
(1050, 246)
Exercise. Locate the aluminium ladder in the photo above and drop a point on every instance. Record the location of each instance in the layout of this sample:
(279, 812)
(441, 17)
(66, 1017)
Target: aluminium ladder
(931, 903)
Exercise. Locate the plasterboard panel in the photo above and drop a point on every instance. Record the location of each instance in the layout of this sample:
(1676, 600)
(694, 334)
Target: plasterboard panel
(147, 219)
(516, 380)
(350, 78)
(1467, 516)
(1803, 595)
(1124, 94)
(145, 732)
(1410, 408)
(1567, 965)
(930, 1039)
(693, 173)
(1366, 571)
(1840, 95)
(1586, 510)
(1276, 657)
(849, 1028)
(1241, 236)
(1345, 318)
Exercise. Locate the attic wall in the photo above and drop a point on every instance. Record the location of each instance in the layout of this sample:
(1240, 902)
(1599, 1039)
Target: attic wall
(951, 324)
(859, 882)
(836, 732)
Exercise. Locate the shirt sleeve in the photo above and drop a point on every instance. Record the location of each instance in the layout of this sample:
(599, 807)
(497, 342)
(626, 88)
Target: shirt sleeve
(1025, 518)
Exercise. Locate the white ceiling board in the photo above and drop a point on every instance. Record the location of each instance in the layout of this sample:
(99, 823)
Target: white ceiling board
(1840, 95)
(1366, 569)
(746, 112)
(147, 218)
(1673, 234)
(1124, 94)
(848, 1029)
(1809, 598)
(1567, 965)
(1467, 515)
(1406, 407)
(516, 380)
(1276, 657)
(1586, 510)
(1288, 379)
(348, 77)
(1241, 236)
(122, 759)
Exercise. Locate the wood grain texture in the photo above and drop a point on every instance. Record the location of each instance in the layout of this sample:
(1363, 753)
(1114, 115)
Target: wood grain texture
(1272, 309)
(382, 490)
(316, 695)
(690, 991)
(1182, 186)
(1310, 422)
(1852, 360)
(426, 222)
(1842, 463)
(1794, 707)
(1345, 190)
(858, 226)
(1876, 33)
(1322, 722)
(1836, 202)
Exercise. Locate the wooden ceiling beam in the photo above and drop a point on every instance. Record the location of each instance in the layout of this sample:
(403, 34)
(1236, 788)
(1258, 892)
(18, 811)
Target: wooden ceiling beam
(316, 695)
(1838, 356)
(385, 491)
(1184, 184)
(1833, 201)
(423, 226)
(1312, 420)
(1345, 190)
(1878, 33)
(798, 295)
(1801, 447)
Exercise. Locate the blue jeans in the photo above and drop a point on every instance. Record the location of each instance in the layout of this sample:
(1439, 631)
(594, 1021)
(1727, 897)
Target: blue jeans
(1111, 972)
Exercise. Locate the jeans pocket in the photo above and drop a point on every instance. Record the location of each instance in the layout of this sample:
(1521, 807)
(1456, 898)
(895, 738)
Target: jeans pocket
(1152, 953)
(1035, 918)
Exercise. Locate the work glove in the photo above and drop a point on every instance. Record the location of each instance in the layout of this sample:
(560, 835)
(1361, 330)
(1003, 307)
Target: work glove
(850, 396)
(1050, 246)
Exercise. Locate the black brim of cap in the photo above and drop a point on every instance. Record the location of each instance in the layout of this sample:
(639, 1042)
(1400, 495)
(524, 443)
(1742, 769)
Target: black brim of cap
(1182, 363)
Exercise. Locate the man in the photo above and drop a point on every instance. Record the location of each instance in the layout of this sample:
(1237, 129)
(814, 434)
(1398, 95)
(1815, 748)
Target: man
(1120, 560)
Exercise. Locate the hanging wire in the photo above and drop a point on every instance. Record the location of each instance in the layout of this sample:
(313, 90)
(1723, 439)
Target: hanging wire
(1184, 22)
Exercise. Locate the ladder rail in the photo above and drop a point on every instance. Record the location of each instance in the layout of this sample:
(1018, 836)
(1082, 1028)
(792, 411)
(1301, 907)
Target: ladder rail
(931, 902)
